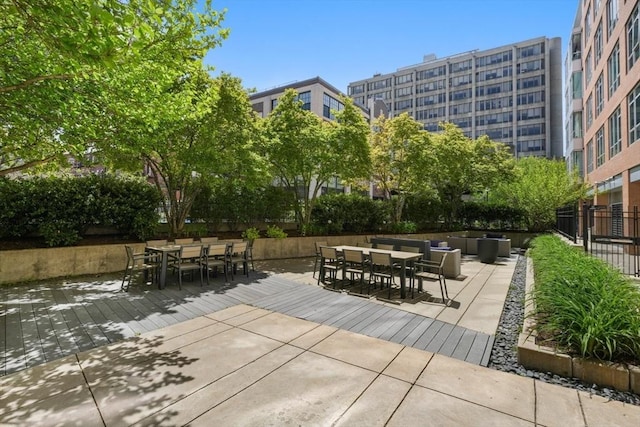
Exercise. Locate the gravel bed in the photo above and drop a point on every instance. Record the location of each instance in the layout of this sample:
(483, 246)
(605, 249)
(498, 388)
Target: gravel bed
(504, 356)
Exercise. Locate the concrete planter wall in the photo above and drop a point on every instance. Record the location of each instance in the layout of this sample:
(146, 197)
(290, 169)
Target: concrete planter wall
(47, 263)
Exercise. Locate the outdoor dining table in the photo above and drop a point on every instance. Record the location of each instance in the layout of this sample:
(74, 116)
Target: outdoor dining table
(164, 251)
(397, 256)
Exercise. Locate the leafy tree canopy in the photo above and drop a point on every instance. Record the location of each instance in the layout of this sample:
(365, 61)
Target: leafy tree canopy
(60, 56)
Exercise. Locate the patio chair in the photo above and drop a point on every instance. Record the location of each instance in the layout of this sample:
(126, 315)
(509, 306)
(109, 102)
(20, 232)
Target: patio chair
(330, 263)
(212, 239)
(411, 265)
(382, 268)
(216, 258)
(383, 246)
(188, 259)
(429, 270)
(354, 264)
(237, 254)
(316, 263)
(250, 253)
(183, 241)
(364, 245)
(136, 262)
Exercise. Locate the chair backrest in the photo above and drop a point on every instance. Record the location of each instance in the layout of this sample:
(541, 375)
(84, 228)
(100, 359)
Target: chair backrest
(318, 245)
(184, 241)
(383, 246)
(239, 248)
(444, 256)
(364, 245)
(129, 250)
(217, 250)
(212, 239)
(414, 249)
(194, 251)
(352, 255)
(328, 252)
(379, 258)
(157, 242)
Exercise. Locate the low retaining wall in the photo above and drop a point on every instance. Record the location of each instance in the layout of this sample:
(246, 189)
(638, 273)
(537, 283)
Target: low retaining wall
(48, 263)
(546, 359)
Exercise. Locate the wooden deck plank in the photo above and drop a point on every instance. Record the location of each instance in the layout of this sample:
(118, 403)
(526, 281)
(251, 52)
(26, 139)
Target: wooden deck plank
(358, 317)
(450, 345)
(389, 323)
(398, 326)
(162, 305)
(423, 325)
(326, 303)
(338, 315)
(48, 338)
(406, 329)
(464, 345)
(487, 351)
(136, 315)
(477, 349)
(113, 324)
(87, 334)
(373, 321)
(105, 326)
(309, 303)
(33, 351)
(438, 340)
(16, 359)
(3, 334)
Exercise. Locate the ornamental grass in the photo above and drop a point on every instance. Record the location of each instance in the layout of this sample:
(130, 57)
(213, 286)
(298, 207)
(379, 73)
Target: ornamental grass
(582, 304)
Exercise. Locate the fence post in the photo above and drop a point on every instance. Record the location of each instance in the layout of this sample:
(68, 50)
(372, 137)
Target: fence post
(585, 226)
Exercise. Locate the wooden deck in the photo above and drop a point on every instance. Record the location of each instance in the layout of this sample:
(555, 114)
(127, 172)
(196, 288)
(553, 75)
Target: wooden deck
(47, 321)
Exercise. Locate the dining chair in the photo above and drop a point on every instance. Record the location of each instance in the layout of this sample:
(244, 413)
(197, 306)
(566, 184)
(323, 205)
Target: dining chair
(184, 241)
(136, 262)
(383, 246)
(249, 253)
(159, 242)
(211, 239)
(364, 245)
(429, 270)
(188, 259)
(216, 258)
(237, 254)
(381, 268)
(355, 264)
(411, 264)
(316, 263)
(330, 262)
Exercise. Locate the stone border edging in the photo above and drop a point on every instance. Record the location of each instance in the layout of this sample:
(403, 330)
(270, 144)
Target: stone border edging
(546, 359)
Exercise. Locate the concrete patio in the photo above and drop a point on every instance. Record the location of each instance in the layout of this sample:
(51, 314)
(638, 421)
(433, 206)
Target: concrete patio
(223, 362)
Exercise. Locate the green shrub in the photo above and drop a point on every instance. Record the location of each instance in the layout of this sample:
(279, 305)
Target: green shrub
(404, 227)
(62, 208)
(352, 213)
(583, 304)
(275, 232)
(251, 233)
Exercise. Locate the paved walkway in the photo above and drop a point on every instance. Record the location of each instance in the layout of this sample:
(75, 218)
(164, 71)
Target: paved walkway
(247, 365)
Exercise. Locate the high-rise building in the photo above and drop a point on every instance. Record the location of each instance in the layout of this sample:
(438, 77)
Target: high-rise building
(511, 93)
(606, 53)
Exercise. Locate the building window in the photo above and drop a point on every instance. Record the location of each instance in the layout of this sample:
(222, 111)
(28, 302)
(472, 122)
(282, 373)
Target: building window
(587, 25)
(589, 108)
(576, 85)
(597, 42)
(458, 95)
(460, 108)
(590, 156)
(527, 67)
(494, 73)
(531, 113)
(460, 66)
(431, 113)
(492, 119)
(615, 133)
(354, 90)
(634, 114)
(460, 80)
(496, 103)
(576, 46)
(599, 91)
(380, 84)
(428, 87)
(600, 147)
(432, 72)
(330, 105)
(612, 16)
(305, 97)
(496, 58)
(589, 69)
(532, 50)
(633, 38)
(530, 82)
(403, 105)
(577, 125)
(407, 78)
(535, 129)
(404, 91)
(613, 70)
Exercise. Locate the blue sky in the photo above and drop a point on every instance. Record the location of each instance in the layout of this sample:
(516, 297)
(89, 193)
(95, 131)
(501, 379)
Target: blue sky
(274, 42)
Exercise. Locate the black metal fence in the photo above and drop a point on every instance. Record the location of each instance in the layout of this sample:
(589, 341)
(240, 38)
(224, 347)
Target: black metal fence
(606, 232)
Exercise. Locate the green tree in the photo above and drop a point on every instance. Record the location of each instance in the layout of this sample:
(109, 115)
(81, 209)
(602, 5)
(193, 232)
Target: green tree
(203, 129)
(539, 187)
(395, 143)
(456, 165)
(59, 57)
(306, 152)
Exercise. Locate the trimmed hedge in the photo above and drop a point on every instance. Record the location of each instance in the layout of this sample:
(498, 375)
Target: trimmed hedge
(584, 305)
(62, 209)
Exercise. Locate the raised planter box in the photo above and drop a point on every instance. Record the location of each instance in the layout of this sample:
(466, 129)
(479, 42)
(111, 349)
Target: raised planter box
(546, 359)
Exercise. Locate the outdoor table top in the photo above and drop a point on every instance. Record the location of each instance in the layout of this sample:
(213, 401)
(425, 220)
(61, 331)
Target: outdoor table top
(399, 255)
